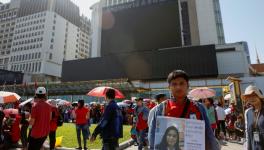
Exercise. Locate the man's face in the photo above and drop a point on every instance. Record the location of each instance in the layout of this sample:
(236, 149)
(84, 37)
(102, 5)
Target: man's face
(162, 99)
(179, 87)
(207, 102)
(139, 103)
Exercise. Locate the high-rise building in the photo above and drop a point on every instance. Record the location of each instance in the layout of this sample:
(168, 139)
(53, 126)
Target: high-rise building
(8, 15)
(84, 38)
(201, 22)
(46, 33)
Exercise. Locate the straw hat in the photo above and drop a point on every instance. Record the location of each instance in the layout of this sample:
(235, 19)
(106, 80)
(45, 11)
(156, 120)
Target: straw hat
(252, 90)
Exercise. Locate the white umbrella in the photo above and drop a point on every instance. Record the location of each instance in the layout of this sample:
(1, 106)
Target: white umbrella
(8, 97)
(202, 93)
(26, 101)
(63, 102)
(228, 111)
(227, 97)
(122, 104)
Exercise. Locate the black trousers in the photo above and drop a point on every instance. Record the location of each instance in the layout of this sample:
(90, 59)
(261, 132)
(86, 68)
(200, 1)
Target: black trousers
(24, 136)
(36, 143)
(221, 127)
(110, 144)
(52, 138)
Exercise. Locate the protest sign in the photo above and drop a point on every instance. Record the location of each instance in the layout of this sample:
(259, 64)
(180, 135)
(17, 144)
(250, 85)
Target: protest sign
(179, 134)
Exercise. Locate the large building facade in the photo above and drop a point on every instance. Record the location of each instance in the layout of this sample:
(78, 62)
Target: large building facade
(46, 33)
(201, 22)
(8, 15)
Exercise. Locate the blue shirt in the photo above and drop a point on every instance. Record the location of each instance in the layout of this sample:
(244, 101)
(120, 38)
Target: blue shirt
(110, 125)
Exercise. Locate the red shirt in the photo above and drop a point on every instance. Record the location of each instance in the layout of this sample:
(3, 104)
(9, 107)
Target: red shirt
(175, 109)
(151, 105)
(15, 130)
(53, 122)
(141, 124)
(81, 115)
(41, 112)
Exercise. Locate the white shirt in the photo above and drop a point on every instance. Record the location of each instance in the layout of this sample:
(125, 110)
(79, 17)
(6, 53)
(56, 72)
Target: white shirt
(220, 113)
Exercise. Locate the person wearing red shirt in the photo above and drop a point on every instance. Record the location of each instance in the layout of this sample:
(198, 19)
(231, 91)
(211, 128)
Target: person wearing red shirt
(53, 124)
(141, 124)
(82, 117)
(180, 106)
(15, 130)
(40, 120)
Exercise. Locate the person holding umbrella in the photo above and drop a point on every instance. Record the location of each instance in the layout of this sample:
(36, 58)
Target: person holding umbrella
(110, 127)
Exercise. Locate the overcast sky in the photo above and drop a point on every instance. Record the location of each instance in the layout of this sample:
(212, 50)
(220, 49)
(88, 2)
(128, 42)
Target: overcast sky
(243, 21)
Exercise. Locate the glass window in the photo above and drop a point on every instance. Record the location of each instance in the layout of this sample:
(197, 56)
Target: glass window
(39, 67)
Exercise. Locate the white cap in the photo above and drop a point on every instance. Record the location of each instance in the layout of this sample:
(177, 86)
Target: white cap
(253, 89)
(41, 90)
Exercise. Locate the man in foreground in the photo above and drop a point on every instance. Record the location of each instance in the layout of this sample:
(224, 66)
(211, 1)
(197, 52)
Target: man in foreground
(179, 106)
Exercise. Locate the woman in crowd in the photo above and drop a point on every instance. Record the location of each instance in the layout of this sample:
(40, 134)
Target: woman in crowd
(53, 124)
(25, 113)
(211, 113)
(254, 118)
(82, 126)
(239, 128)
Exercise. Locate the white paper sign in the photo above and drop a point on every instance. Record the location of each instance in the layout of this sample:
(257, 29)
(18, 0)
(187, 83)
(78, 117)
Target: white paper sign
(179, 134)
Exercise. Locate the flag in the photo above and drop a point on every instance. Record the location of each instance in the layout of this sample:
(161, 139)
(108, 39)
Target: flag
(35, 85)
(24, 88)
(4, 86)
(15, 85)
(47, 88)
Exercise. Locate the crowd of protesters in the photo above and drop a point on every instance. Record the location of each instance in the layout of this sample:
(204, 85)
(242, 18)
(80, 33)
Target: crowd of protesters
(42, 118)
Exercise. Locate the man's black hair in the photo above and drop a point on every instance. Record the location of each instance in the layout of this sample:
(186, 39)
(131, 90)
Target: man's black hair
(81, 102)
(159, 96)
(41, 96)
(110, 94)
(177, 74)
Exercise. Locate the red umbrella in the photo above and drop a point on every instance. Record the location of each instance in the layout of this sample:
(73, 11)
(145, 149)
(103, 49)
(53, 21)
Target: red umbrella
(100, 92)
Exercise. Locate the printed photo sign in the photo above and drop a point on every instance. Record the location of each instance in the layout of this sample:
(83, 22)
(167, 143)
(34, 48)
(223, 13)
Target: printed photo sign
(179, 134)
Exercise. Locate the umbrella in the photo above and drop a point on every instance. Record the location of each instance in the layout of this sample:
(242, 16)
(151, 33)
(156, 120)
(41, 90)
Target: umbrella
(202, 93)
(228, 111)
(26, 101)
(227, 97)
(93, 103)
(122, 104)
(8, 97)
(127, 101)
(75, 104)
(9, 111)
(61, 102)
(100, 92)
(146, 100)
